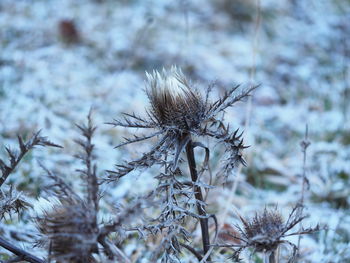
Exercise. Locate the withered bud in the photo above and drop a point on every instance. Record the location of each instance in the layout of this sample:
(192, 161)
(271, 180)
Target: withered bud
(264, 230)
(267, 230)
(70, 232)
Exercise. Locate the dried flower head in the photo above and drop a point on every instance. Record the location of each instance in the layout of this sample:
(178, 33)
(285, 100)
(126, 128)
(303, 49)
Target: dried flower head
(264, 230)
(174, 104)
(70, 232)
(178, 111)
(267, 230)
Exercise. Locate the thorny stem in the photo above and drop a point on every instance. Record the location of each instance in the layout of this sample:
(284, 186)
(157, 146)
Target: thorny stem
(12, 168)
(24, 148)
(199, 197)
(88, 132)
(20, 253)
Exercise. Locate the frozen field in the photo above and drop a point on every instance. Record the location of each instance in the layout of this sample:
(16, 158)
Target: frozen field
(297, 51)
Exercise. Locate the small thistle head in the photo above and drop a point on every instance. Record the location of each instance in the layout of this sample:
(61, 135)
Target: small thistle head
(264, 231)
(174, 103)
(267, 230)
(70, 232)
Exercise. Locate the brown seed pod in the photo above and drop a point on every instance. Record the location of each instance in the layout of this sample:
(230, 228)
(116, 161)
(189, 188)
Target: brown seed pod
(70, 232)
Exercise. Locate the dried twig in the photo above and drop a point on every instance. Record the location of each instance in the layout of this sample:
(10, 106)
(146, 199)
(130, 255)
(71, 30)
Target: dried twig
(20, 253)
(24, 148)
(305, 183)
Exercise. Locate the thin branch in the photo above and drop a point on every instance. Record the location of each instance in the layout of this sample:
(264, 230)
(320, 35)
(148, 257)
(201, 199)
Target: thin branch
(24, 148)
(228, 100)
(24, 255)
(304, 146)
(192, 250)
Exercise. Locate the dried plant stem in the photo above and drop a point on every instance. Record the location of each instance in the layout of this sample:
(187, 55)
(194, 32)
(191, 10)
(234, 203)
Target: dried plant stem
(270, 257)
(304, 145)
(20, 253)
(24, 148)
(199, 197)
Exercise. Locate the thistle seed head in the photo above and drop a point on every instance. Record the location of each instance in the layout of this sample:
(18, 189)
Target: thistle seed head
(265, 229)
(174, 103)
(70, 232)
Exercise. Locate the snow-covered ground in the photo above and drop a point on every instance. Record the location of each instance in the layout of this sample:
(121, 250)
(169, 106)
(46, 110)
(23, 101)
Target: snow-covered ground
(298, 51)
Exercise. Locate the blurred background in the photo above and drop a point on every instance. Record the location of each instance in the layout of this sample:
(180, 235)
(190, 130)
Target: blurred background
(58, 58)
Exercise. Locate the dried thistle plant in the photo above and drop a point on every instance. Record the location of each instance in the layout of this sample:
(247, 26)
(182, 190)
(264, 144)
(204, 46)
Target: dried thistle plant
(70, 230)
(175, 206)
(266, 231)
(12, 201)
(179, 113)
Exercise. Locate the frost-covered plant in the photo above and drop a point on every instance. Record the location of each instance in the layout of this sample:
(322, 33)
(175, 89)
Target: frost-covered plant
(11, 201)
(266, 231)
(179, 113)
(16, 156)
(173, 215)
(70, 230)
